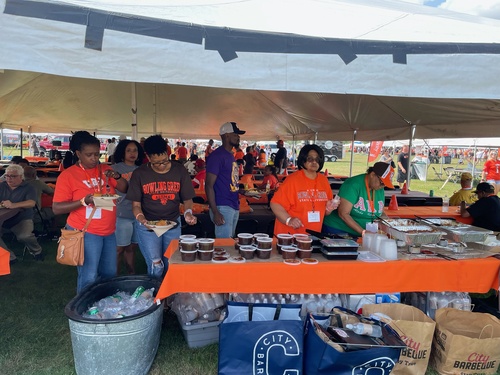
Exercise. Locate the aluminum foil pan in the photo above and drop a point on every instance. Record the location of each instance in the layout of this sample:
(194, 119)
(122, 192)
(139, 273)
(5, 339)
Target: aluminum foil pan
(411, 232)
(460, 232)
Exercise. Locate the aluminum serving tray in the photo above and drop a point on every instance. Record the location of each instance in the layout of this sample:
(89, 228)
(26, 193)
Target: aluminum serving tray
(460, 232)
(420, 233)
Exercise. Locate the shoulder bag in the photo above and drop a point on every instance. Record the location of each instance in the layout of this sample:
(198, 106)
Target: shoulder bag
(70, 250)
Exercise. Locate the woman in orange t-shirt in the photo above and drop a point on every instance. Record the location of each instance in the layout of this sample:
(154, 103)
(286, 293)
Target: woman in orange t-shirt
(491, 171)
(305, 197)
(74, 194)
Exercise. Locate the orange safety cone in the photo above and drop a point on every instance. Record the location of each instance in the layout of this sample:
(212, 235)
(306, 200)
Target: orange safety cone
(326, 172)
(393, 205)
(404, 190)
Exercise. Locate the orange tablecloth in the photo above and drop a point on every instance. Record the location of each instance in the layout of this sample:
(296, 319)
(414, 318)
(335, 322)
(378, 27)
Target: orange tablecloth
(475, 275)
(4, 262)
(427, 211)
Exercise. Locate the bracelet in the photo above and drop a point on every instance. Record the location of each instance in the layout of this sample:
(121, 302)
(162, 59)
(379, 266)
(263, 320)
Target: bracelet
(119, 176)
(82, 202)
(188, 211)
(136, 216)
(287, 222)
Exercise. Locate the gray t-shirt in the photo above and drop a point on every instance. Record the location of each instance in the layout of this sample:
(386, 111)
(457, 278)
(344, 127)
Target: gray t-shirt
(123, 205)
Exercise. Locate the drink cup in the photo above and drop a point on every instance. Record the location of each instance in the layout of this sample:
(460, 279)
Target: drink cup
(368, 240)
(288, 252)
(245, 239)
(377, 244)
(372, 227)
(189, 245)
(389, 249)
(247, 251)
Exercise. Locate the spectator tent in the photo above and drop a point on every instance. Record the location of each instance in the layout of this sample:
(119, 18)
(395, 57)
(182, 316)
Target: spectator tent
(293, 69)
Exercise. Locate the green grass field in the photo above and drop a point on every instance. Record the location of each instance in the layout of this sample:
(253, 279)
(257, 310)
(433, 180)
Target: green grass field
(35, 337)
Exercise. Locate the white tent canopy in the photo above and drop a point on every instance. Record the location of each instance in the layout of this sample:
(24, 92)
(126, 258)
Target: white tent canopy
(293, 70)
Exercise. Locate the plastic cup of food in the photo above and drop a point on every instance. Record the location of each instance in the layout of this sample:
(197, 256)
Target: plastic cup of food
(263, 253)
(302, 254)
(245, 239)
(304, 243)
(298, 236)
(247, 251)
(187, 237)
(189, 245)
(264, 243)
(285, 239)
(288, 252)
(206, 243)
(205, 254)
(257, 235)
(188, 256)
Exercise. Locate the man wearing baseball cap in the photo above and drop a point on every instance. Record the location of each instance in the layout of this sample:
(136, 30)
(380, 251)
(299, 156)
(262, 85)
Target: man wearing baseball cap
(465, 194)
(486, 211)
(222, 183)
(362, 200)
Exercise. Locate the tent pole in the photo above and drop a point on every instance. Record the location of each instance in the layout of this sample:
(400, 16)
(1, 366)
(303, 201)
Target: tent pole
(412, 134)
(352, 152)
(474, 162)
(21, 141)
(1, 141)
(134, 111)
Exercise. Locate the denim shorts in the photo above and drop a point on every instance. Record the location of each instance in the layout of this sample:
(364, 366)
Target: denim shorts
(125, 232)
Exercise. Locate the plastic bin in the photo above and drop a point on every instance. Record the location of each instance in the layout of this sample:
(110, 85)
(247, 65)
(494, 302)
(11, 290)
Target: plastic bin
(114, 346)
(201, 334)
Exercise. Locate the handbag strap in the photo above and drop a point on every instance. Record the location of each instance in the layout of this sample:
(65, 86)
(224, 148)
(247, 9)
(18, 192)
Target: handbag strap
(89, 219)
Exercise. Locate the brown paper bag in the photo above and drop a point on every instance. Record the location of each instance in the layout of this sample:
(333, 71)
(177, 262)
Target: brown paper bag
(415, 328)
(466, 343)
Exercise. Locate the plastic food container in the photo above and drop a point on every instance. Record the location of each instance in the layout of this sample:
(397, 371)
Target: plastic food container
(188, 256)
(263, 253)
(339, 255)
(189, 245)
(288, 252)
(264, 243)
(285, 239)
(302, 254)
(205, 254)
(304, 243)
(206, 243)
(245, 239)
(247, 251)
(341, 245)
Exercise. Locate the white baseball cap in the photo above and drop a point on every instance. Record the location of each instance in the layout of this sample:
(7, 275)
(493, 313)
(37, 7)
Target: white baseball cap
(230, 127)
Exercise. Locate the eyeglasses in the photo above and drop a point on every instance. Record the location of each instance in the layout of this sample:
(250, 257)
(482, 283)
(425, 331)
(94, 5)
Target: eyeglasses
(380, 180)
(11, 175)
(158, 163)
(310, 159)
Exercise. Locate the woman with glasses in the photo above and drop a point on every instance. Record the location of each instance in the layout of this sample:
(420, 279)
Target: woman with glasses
(362, 200)
(156, 190)
(305, 197)
(74, 194)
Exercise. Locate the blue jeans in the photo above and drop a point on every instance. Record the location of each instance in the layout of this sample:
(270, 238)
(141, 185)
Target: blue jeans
(100, 259)
(125, 231)
(231, 217)
(153, 247)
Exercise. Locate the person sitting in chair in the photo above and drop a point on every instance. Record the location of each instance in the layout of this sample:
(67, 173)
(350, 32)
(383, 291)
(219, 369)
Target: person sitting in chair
(466, 193)
(486, 211)
(16, 193)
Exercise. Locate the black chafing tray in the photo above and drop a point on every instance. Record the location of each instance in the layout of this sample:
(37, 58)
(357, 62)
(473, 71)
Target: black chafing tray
(339, 249)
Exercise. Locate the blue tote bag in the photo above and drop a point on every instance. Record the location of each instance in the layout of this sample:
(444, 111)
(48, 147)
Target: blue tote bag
(261, 347)
(322, 359)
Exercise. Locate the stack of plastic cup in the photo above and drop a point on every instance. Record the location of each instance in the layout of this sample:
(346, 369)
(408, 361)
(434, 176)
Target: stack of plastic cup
(389, 249)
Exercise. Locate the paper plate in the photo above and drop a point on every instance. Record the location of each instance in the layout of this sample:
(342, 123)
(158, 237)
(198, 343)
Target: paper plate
(107, 198)
(310, 261)
(237, 260)
(292, 262)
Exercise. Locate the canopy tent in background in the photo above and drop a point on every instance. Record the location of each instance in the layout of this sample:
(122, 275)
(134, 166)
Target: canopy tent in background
(298, 69)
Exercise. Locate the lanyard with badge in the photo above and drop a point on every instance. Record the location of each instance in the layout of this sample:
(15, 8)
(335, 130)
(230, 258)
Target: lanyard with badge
(371, 199)
(313, 216)
(97, 189)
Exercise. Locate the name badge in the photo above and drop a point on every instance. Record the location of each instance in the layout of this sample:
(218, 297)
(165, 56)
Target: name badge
(313, 217)
(97, 213)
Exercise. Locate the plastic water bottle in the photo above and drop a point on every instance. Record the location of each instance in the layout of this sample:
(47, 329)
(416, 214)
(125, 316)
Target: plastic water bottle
(365, 329)
(312, 304)
(446, 203)
(137, 293)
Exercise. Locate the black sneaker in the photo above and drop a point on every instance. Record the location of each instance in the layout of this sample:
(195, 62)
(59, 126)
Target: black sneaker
(39, 257)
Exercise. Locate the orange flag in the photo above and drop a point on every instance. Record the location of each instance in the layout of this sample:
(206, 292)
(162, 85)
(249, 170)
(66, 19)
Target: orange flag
(375, 147)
